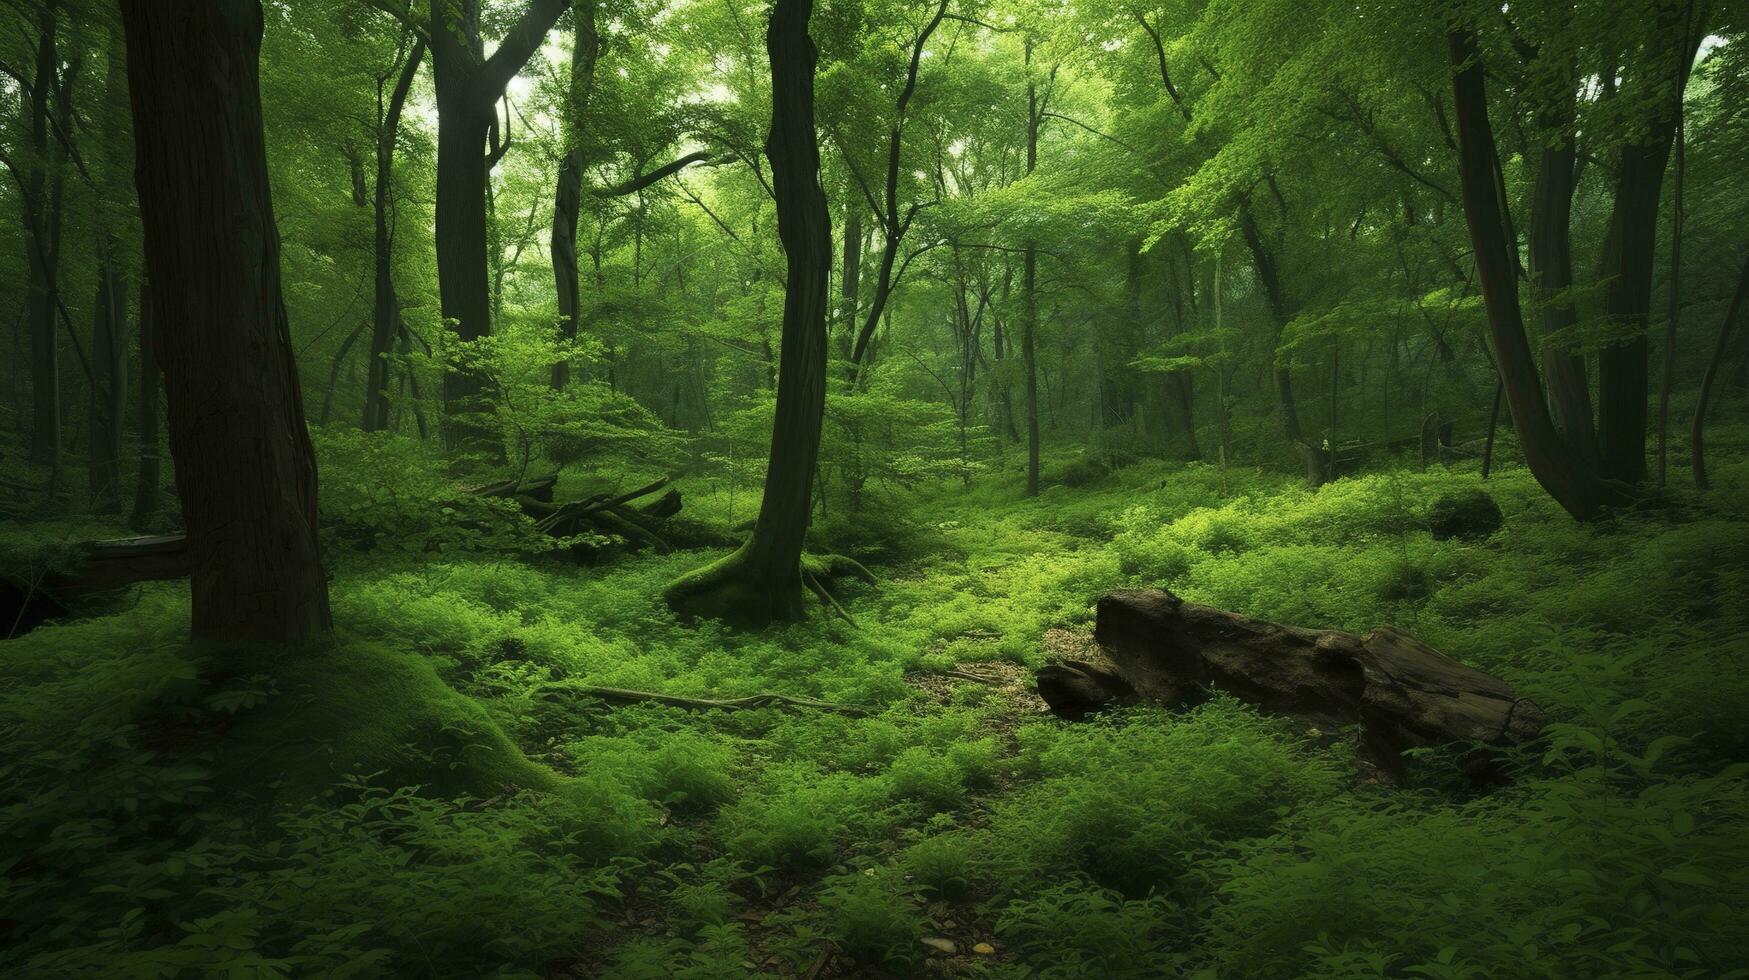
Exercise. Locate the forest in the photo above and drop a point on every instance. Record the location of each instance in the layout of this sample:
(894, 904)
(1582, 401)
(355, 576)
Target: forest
(874, 488)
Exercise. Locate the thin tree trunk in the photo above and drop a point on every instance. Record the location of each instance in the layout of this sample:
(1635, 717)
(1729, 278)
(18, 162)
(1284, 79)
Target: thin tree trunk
(386, 309)
(245, 469)
(850, 281)
(893, 225)
(150, 476)
(109, 347)
(1696, 431)
(42, 230)
(568, 194)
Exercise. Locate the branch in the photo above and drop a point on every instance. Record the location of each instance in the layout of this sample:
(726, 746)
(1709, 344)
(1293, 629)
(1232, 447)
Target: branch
(1165, 75)
(517, 47)
(402, 13)
(636, 184)
(1104, 136)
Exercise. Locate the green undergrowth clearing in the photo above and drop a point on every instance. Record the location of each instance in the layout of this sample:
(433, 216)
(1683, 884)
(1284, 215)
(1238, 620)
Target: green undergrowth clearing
(426, 794)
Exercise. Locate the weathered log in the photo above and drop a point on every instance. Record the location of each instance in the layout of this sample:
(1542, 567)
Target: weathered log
(1402, 693)
(120, 562)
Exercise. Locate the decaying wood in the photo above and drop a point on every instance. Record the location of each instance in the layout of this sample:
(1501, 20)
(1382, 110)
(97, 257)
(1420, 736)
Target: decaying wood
(1402, 693)
(601, 513)
(620, 695)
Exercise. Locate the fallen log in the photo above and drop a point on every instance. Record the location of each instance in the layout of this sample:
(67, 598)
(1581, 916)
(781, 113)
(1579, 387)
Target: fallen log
(606, 514)
(1401, 692)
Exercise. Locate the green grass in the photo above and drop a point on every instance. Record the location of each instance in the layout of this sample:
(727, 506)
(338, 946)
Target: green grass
(423, 794)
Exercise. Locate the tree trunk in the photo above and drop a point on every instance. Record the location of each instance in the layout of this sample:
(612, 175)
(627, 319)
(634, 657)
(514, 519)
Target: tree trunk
(568, 194)
(1315, 459)
(1551, 271)
(150, 476)
(1696, 432)
(42, 231)
(468, 86)
(108, 393)
(1630, 247)
(1574, 485)
(893, 226)
(109, 347)
(245, 469)
(763, 580)
(386, 309)
(1029, 293)
(850, 282)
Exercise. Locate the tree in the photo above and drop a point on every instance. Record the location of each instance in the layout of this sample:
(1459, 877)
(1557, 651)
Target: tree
(568, 194)
(109, 347)
(762, 581)
(1576, 486)
(245, 469)
(386, 326)
(469, 86)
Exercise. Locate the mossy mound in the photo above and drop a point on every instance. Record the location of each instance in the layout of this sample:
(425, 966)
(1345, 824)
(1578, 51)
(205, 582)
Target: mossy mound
(348, 708)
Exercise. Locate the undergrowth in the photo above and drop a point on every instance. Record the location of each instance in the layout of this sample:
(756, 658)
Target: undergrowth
(173, 811)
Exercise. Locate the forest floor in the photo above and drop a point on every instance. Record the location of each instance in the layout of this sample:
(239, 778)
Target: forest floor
(169, 810)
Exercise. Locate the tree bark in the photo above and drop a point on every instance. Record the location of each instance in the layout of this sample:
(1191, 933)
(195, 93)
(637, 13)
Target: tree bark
(568, 194)
(1574, 485)
(245, 469)
(386, 309)
(763, 580)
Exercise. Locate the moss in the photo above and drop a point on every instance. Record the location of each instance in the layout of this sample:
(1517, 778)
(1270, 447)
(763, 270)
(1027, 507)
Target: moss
(349, 707)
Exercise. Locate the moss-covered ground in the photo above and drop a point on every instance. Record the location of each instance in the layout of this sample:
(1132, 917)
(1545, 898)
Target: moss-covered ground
(426, 793)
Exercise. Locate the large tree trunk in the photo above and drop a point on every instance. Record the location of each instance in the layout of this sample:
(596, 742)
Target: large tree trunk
(1401, 692)
(386, 310)
(763, 580)
(1573, 484)
(568, 194)
(469, 85)
(245, 469)
(149, 476)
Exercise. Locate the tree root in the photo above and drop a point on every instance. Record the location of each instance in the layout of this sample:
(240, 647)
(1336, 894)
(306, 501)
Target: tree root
(620, 695)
